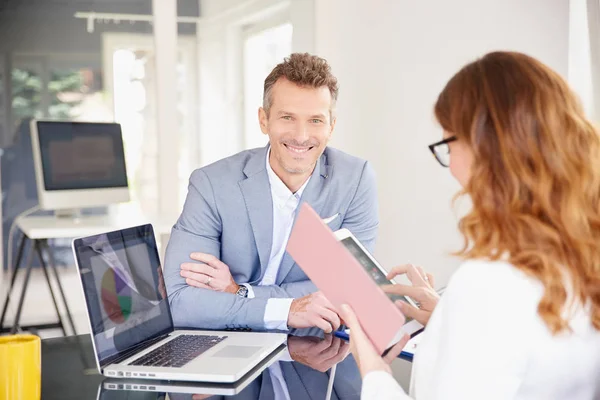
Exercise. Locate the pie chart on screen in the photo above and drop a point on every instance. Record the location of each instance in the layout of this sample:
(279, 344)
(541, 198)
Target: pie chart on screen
(116, 297)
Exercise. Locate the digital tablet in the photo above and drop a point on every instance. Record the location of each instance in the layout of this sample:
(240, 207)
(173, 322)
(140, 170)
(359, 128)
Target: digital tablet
(376, 271)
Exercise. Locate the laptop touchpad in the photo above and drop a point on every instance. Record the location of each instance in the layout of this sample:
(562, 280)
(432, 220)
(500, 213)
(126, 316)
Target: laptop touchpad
(237, 351)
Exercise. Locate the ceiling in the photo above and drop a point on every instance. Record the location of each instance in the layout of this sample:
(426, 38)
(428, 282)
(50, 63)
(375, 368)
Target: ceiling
(57, 8)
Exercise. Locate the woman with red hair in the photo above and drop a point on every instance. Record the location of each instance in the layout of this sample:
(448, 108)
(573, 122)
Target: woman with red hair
(520, 319)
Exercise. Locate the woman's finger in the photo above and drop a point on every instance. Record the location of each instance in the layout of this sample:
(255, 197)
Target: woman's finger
(352, 323)
(349, 317)
(357, 334)
(409, 311)
(396, 350)
(399, 270)
(431, 280)
(415, 274)
(404, 290)
(422, 273)
(369, 359)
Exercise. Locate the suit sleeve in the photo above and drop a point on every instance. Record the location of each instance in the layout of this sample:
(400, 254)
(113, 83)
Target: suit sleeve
(198, 229)
(292, 290)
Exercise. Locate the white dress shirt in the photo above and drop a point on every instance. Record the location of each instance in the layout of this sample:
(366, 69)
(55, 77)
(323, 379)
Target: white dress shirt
(277, 311)
(485, 340)
(285, 204)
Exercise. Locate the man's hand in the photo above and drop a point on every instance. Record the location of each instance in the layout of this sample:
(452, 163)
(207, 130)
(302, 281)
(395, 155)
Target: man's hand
(421, 291)
(211, 274)
(201, 396)
(313, 310)
(319, 354)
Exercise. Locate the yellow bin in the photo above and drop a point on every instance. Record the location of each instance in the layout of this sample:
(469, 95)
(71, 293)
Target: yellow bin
(20, 367)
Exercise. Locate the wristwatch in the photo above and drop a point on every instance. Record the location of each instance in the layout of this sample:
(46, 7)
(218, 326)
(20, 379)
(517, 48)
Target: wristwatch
(242, 291)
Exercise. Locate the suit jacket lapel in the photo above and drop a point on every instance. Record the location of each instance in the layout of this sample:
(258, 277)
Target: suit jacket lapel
(293, 380)
(259, 204)
(266, 386)
(315, 194)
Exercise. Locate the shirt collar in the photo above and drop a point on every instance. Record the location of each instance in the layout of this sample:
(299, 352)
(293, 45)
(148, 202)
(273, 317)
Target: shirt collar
(279, 191)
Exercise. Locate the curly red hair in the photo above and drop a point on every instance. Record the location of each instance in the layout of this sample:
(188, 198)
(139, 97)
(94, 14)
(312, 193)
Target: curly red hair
(535, 177)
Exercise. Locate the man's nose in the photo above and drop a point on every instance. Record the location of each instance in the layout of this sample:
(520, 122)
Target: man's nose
(301, 135)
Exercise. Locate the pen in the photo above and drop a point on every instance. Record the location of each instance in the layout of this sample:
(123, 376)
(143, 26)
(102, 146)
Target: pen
(342, 335)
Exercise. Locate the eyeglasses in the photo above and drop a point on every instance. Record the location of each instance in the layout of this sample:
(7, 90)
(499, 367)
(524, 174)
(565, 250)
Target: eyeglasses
(441, 151)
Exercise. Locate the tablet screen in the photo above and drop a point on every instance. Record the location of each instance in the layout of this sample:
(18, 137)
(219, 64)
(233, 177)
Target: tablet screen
(367, 263)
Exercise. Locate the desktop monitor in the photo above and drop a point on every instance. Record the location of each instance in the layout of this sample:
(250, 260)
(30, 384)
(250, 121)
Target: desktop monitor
(78, 164)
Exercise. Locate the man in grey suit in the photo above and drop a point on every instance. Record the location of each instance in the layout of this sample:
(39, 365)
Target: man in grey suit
(226, 265)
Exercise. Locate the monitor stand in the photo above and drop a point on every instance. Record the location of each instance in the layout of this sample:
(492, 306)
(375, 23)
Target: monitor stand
(73, 214)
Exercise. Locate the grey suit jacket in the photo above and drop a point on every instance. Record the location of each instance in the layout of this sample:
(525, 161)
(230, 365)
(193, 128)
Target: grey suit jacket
(228, 213)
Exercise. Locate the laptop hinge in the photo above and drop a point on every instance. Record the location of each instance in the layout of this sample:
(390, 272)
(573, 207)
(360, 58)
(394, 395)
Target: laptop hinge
(138, 348)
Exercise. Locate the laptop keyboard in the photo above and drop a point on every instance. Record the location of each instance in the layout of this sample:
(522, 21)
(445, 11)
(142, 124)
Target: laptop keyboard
(179, 351)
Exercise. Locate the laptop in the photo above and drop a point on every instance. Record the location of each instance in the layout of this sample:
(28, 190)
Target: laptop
(161, 387)
(130, 319)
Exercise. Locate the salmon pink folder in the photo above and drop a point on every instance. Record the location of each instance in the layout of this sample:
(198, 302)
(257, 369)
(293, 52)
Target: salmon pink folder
(333, 269)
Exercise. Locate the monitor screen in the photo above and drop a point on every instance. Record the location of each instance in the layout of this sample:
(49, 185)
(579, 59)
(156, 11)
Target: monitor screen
(81, 155)
(124, 289)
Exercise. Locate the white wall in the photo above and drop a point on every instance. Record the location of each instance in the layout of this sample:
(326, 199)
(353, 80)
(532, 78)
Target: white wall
(302, 15)
(580, 57)
(392, 58)
(593, 19)
(220, 70)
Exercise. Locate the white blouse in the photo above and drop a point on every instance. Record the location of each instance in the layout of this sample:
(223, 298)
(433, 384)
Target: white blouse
(485, 340)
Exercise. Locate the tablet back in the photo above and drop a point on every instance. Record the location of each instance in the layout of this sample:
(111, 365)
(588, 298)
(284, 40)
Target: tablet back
(333, 269)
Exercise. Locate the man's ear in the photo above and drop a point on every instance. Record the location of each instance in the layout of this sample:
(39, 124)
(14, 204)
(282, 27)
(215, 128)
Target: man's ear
(332, 127)
(263, 120)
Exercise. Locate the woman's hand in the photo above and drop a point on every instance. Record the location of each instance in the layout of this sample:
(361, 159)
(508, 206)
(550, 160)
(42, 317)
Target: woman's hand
(422, 291)
(364, 352)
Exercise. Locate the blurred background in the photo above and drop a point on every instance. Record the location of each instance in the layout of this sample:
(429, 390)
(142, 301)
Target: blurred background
(184, 79)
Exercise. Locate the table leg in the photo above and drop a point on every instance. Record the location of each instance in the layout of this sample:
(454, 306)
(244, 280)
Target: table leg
(13, 278)
(24, 290)
(38, 248)
(60, 288)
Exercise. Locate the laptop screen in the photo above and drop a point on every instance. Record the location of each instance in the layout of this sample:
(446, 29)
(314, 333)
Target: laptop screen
(124, 289)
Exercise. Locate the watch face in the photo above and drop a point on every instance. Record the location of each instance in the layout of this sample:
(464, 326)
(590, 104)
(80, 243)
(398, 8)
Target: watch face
(243, 291)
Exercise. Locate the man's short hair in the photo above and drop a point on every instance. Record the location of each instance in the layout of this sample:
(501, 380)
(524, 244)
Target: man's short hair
(305, 70)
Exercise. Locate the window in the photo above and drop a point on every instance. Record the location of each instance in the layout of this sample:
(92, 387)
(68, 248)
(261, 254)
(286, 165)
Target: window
(132, 74)
(263, 50)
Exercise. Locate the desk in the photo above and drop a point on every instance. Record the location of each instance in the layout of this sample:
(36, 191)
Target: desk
(37, 230)
(77, 377)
